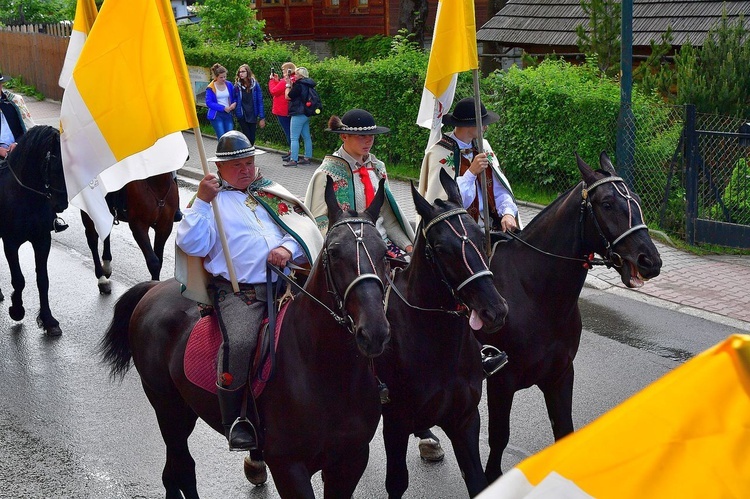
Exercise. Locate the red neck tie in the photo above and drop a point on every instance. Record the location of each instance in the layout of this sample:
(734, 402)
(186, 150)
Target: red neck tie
(364, 176)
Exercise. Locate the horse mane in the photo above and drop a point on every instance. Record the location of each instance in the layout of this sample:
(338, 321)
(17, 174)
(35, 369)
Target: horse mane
(33, 146)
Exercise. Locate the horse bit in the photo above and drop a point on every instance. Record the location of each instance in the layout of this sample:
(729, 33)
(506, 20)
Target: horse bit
(429, 251)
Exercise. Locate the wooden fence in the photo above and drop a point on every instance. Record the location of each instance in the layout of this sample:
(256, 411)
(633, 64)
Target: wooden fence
(37, 56)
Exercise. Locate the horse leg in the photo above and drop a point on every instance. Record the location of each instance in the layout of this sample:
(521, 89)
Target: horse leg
(92, 240)
(140, 234)
(45, 320)
(465, 443)
(161, 234)
(396, 441)
(176, 422)
(292, 479)
(107, 258)
(342, 478)
(16, 310)
(558, 396)
(499, 404)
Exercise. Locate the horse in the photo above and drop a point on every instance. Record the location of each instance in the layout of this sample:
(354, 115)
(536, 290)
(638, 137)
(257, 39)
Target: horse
(432, 364)
(321, 407)
(150, 203)
(540, 272)
(33, 187)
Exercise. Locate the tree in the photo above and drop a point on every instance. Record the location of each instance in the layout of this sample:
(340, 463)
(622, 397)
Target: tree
(34, 11)
(230, 21)
(601, 37)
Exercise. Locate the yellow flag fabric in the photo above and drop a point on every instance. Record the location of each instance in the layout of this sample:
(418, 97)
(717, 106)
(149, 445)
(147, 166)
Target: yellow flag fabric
(685, 435)
(454, 49)
(126, 104)
(84, 19)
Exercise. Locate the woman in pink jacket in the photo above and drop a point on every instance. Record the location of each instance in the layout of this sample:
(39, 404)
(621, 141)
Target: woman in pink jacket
(277, 85)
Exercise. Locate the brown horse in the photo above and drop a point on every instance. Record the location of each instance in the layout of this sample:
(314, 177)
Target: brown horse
(150, 204)
(432, 364)
(320, 409)
(541, 272)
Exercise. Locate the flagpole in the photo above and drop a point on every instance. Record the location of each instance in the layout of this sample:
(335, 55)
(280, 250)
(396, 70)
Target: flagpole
(480, 150)
(219, 223)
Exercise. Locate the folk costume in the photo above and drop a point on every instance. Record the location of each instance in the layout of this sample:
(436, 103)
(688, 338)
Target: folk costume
(355, 184)
(256, 220)
(15, 118)
(455, 156)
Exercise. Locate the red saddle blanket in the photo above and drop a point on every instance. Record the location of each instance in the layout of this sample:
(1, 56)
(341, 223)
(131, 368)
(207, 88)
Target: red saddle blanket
(203, 346)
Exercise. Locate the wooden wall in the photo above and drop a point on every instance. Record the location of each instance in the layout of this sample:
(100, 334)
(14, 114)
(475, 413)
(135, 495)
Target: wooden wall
(38, 57)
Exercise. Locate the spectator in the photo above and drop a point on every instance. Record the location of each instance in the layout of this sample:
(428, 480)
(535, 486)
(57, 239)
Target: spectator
(277, 85)
(296, 94)
(220, 101)
(249, 98)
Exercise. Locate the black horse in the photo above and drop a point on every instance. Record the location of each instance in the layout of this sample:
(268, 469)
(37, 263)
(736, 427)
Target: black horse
(320, 409)
(432, 365)
(541, 273)
(33, 192)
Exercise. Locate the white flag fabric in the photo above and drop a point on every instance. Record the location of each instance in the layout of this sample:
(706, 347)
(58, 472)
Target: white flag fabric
(84, 19)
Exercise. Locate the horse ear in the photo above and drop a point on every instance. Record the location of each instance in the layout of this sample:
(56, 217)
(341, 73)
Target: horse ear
(334, 210)
(373, 211)
(588, 174)
(606, 164)
(451, 187)
(423, 207)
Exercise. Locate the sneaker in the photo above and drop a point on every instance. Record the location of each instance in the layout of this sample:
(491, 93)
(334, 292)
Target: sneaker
(290, 162)
(303, 161)
(286, 157)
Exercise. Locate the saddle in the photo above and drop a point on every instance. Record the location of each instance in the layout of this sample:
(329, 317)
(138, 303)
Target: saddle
(203, 345)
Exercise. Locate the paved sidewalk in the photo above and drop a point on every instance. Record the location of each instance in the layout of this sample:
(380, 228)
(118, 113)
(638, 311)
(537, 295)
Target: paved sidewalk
(714, 287)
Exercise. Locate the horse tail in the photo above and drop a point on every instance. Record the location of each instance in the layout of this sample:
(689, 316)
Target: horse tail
(114, 346)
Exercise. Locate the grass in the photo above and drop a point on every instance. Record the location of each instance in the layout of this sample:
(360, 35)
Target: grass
(19, 87)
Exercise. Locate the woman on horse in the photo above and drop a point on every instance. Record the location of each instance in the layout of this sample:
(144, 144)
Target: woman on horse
(262, 222)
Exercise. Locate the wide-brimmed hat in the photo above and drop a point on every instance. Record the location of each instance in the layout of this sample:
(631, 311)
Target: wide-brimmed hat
(234, 145)
(464, 114)
(355, 122)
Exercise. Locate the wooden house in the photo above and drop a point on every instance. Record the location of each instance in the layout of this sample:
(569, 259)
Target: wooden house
(542, 27)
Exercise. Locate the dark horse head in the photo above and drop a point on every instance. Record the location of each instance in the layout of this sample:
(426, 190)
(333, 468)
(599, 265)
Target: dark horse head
(354, 261)
(36, 163)
(614, 224)
(453, 244)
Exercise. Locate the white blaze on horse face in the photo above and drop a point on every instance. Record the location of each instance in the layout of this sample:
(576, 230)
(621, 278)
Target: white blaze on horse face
(475, 322)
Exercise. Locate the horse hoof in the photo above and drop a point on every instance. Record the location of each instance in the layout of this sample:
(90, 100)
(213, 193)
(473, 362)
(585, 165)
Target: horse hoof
(431, 450)
(255, 471)
(105, 286)
(107, 268)
(53, 331)
(17, 313)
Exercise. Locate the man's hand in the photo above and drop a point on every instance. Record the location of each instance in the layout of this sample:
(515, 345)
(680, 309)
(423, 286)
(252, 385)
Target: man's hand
(279, 256)
(4, 151)
(479, 163)
(508, 222)
(208, 188)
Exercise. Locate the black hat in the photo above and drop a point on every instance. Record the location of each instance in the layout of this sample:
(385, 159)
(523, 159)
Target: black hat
(234, 145)
(464, 114)
(1, 77)
(355, 122)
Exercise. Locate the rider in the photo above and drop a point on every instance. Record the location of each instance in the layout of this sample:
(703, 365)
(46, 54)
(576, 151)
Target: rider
(356, 173)
(14, 117)
(461, 143)
(262, 223)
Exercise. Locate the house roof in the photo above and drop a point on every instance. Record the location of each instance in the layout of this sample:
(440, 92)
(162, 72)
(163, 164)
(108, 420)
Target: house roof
(524, 23)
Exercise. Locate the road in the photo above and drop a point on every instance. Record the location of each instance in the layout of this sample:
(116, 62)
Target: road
(67, 430)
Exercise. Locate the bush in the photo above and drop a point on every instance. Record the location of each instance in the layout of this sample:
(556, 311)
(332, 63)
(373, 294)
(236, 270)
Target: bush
(736, 196)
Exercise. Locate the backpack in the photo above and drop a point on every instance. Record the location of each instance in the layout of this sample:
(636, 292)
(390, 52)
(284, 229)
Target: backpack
(313, 105)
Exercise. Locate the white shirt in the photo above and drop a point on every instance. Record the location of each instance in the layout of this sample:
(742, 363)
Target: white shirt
(251, 235)
(6, 134)
(222, 96)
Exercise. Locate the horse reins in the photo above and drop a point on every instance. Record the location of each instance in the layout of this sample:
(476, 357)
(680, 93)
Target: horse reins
(429, 252)
(587, 207)
(45, 179)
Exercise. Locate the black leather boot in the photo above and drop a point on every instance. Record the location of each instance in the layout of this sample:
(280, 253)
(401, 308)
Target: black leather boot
(239, 431)
(492, 360)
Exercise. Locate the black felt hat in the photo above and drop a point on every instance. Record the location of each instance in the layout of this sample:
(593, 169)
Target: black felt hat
(465, 115)
(355, 122)
(234, 145)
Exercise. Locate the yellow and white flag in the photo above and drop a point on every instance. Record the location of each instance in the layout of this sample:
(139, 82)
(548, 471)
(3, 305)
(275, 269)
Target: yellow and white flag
(125, 106)
(454, 49)
(685, 435)
(85, 15)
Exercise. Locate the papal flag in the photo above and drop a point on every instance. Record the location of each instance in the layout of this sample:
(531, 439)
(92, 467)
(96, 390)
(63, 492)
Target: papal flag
(685, 435)
(454, 49)
(125, 105)
(84, 20)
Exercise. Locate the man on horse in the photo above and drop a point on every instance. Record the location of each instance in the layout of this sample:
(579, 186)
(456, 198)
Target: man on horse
(263, 222)
(13, 117)
(457, 153)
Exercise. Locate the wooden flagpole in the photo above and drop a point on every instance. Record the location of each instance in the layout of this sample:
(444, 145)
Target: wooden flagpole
(480, 150)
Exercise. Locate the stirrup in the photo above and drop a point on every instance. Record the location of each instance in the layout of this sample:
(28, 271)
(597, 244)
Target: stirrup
(493, 359)
(253, 434)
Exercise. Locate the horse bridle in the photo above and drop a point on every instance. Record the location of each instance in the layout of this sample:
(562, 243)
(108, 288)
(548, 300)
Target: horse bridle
(611, 257)
(48, 189)
(430, 254)
(343, 318)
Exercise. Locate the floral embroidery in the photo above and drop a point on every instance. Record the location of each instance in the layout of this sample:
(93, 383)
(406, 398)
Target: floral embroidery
(277, 204)
(449, 161)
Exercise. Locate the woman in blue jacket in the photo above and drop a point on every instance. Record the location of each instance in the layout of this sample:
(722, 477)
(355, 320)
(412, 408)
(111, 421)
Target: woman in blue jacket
(249, 99)
(220, 101)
